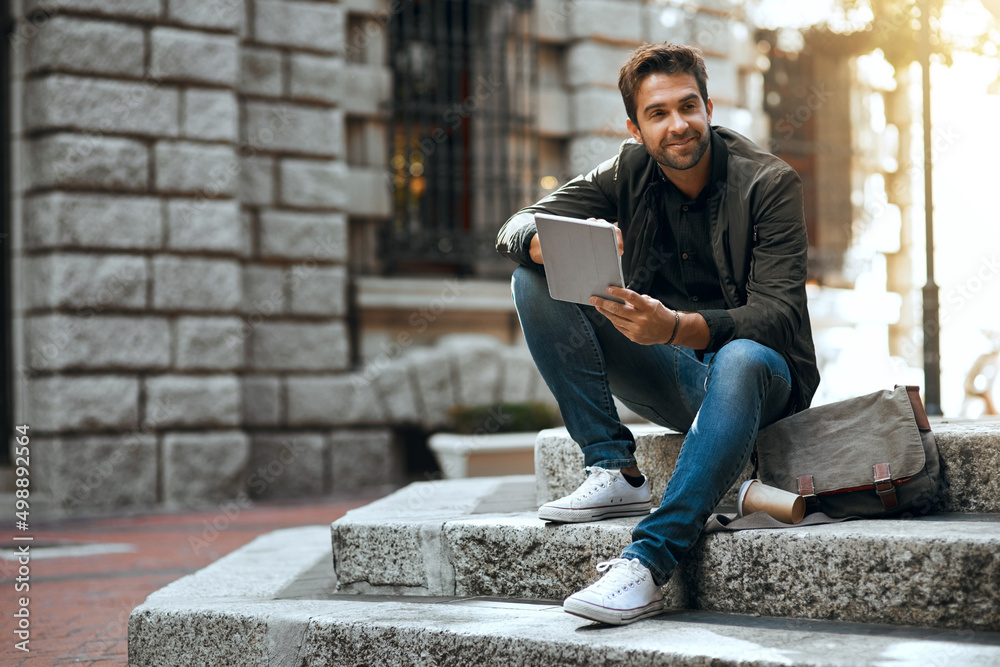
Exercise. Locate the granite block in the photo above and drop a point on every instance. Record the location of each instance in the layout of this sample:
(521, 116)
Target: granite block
(194, 283)
(208, 343)
(970, 457)
(204, 468)
(83, 403)
(261, 400)
(108, 164)
(77, 220)
(97, 473)
(107, 342)
(62, 101)
(196, 400)
(210, 115)
(364, 458)
(81, 45)
(91, 283)
(477, 365)
(192, 55)
(286, 465)
(305, 346)
(333, 400)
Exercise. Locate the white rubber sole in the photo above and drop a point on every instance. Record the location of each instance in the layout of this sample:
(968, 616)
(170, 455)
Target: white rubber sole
(567, 515)
(593, 612)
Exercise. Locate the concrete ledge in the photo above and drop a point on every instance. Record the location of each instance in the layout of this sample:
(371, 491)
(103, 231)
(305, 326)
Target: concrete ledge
(395, 545)
(221, 615)
(559, 462)
(453, 538)
(267, 605)
(263, 569)
(970, 457)
(480, 455)
(416, 293)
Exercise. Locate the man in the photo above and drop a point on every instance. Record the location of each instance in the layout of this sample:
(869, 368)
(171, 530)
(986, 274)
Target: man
(713, 338)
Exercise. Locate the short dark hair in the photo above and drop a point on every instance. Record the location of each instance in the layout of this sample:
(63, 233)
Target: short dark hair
(665, 58)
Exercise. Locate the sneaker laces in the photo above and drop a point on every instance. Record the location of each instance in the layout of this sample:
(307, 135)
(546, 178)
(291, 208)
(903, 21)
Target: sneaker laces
(621, 574)
(598, 478)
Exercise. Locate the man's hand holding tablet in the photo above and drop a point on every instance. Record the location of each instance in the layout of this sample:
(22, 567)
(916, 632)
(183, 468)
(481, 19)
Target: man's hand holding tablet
(580, 263)
(582, 257)
(641, 318)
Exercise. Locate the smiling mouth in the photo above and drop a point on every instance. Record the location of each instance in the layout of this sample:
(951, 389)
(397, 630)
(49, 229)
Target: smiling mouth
(682, 143)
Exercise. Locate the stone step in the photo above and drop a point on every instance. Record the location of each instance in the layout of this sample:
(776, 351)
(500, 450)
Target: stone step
(270, 604)
(969, 449)
(482, 538)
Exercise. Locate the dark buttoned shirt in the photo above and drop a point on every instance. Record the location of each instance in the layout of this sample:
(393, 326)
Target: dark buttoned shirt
(688, 279)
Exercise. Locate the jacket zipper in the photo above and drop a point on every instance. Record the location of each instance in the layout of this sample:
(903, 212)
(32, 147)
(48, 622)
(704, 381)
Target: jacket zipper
(755, 234)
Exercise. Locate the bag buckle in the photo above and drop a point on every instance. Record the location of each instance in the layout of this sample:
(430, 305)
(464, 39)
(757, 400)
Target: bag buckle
(807, 489)
(883, 486)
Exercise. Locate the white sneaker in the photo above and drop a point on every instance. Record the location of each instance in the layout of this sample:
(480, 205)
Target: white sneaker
(624, 595)
(603, 495)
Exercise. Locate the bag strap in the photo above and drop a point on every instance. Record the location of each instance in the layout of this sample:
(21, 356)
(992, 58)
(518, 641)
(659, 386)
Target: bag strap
(919, 414)
(719, 523)
(880, 471)
(883, 486)
(807, 489)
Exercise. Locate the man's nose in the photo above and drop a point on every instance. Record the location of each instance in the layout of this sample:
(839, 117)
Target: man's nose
(676, 124)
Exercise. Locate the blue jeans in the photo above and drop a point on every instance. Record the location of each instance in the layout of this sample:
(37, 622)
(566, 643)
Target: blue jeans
(719, 402)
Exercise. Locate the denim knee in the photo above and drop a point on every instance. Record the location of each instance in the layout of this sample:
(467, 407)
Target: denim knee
(527, 285)
(747, 356)
(526, 280)
(744, 368)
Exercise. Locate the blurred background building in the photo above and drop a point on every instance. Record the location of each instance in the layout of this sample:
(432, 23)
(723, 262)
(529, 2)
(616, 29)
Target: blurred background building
(248, 244)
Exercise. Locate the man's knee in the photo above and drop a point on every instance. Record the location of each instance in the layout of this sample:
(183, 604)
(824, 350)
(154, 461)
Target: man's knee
(745, 356)
(527, 283)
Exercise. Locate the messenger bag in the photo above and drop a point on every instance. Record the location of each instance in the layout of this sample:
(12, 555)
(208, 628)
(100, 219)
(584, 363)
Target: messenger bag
(871, 456)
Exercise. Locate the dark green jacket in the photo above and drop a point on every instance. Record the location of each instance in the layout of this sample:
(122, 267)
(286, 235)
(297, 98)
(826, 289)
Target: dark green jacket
(758, 238)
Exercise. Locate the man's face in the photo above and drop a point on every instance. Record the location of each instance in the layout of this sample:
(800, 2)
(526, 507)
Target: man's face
(673, 120)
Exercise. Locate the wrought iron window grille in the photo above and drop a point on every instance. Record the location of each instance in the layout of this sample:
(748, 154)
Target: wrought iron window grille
(462, 131)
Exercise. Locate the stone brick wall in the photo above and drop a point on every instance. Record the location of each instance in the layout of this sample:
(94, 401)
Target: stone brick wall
(183, 203)
(193, 179)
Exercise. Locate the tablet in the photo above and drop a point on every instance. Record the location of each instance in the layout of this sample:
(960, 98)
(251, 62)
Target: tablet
(580, 257)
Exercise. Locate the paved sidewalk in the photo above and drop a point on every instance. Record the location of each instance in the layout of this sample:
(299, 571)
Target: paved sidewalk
(87, 575)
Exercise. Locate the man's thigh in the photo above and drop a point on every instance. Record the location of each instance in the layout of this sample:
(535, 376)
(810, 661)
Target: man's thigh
(662, 383)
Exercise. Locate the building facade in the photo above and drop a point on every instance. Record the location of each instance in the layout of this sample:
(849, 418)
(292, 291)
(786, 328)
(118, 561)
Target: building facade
(250, 241)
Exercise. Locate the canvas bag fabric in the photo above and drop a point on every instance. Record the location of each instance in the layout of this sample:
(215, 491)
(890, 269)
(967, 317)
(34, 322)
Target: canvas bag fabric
(837, 447)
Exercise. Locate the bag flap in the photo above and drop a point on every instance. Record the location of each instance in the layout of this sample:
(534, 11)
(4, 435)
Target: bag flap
(838, 444)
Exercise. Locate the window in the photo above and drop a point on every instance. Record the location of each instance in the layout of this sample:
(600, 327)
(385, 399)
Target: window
(462, 137)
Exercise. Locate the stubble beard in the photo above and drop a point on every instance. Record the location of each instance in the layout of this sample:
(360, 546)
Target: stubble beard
(681, 163)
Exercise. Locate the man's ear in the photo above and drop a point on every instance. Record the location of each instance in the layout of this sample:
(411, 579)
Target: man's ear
(709, 106)
(634, 130)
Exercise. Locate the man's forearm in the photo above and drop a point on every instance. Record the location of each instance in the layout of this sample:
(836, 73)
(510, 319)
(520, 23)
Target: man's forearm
(535, 250)
(693, 332)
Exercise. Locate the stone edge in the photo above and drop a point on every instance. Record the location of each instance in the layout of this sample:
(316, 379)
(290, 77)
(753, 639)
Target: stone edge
(258, 571)
(957, 440)
(241, 623)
